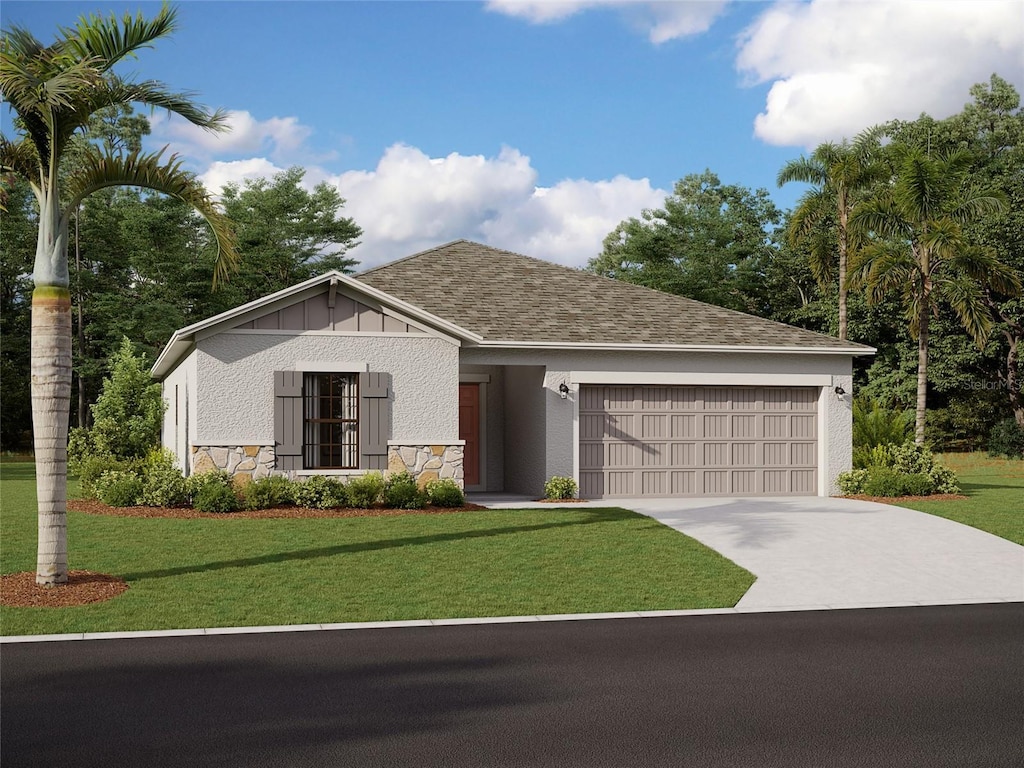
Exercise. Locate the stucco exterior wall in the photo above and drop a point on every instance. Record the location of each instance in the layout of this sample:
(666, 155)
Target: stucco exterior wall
(828, 371)
(178, 427)
(525, 429)
(235, 372)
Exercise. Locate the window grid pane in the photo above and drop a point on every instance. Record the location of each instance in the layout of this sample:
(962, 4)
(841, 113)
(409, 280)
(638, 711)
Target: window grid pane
(331, 421)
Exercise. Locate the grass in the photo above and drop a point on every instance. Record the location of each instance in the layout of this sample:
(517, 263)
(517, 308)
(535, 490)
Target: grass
(995, 491)
(237, 572)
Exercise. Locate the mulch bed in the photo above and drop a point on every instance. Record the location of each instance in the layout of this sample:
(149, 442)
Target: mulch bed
(93, 507)
(891, 499)
(83, 587)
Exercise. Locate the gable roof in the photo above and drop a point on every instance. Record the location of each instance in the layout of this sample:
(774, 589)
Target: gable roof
(507, 299)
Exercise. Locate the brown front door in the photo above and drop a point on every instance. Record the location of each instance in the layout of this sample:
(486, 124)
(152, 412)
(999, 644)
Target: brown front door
(469, 430)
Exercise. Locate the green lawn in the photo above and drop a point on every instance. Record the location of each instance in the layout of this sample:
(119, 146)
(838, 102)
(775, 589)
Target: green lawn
(995, 488)
(238, 572)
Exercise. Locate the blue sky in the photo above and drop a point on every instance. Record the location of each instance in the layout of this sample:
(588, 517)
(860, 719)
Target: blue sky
(538, 126)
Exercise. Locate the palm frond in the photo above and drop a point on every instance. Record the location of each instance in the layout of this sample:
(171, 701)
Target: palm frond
(962, 293)
(807, 170)
(20, 158)
(109, 39)
(96, 171)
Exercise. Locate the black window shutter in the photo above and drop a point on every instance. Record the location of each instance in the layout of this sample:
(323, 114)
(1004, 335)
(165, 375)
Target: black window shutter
(288, 420)
(374, 420)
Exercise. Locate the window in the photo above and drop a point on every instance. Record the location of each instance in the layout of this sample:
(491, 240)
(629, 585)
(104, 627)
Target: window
(330, 406)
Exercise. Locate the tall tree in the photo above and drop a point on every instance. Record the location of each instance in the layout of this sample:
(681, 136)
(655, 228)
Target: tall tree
(54, 90)
(711, 242)
(841, 174)
(920, 249)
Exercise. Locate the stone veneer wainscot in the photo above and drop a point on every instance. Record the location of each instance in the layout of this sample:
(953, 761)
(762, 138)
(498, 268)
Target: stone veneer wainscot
(254, 461)
(427, 462)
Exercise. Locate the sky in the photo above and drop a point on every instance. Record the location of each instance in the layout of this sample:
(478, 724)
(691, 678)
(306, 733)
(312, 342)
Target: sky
(538, 126)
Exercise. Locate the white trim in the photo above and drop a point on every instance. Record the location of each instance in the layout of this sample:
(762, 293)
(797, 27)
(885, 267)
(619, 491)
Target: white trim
(624, 347)
(283, 332)
(698, 378)
(574, 395)
(333, 366)
(823, 436)
(474, 378)
(218, 443)
(333, 472)
(411, 443)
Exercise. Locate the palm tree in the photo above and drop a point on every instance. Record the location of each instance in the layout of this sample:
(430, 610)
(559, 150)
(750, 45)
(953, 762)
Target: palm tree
(840, 172)
(54, 90)
(920, 251)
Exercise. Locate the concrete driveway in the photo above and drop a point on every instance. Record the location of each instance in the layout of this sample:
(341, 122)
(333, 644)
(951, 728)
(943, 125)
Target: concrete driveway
(811, 552)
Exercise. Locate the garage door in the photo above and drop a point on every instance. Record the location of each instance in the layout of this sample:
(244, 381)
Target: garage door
(694, 441)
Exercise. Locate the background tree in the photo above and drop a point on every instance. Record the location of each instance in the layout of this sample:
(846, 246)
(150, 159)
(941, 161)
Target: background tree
(841, 174)
(711, 242)
(921, 252)
(54, 90)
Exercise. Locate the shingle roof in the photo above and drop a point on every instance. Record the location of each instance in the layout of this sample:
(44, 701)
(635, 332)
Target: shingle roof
(504, 296)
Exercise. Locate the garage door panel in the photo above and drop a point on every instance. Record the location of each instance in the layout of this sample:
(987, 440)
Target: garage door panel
(693, 440)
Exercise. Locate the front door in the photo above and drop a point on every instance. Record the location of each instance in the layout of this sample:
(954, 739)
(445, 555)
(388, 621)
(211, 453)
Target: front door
(469, 430)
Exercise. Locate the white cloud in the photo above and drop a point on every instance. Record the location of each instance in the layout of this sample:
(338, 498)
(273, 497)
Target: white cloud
(236, 172)
(660, 20)
(841, 66)
(411, 201)
(276, 136)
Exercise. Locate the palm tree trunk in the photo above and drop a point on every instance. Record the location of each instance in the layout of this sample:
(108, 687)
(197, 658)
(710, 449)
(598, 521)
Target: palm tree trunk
(843, 229)
(51, 397)
(922, 373)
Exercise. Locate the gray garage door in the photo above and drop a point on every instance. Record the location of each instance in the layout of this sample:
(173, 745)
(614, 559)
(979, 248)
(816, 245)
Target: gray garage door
(694, 441)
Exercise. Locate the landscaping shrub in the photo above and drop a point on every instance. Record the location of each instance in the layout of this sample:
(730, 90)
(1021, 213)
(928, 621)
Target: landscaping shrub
(401, 492)
(320, 492)
(445, 493)
(852, 483)
(92, 468)
(80, 448)
(366, 490)
(118, 488)
(560, 488)
(884, 481)
(874, 424)
(194, 484)
(128, 413)
(1006, 439)
(163, 484)
(269, 492)
(215, 497)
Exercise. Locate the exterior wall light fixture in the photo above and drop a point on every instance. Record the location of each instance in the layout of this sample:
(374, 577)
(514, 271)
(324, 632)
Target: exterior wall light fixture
(840, 392)
(563, 390)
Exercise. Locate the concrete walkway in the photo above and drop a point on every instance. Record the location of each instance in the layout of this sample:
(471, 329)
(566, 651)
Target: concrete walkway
(811, 552)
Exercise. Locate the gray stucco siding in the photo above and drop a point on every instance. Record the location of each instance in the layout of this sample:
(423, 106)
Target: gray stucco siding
(235, 372)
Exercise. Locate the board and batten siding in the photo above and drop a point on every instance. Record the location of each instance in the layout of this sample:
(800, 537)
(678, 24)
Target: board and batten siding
(317, 314)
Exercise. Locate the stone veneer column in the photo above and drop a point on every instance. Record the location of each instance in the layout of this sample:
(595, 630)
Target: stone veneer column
(427, 462)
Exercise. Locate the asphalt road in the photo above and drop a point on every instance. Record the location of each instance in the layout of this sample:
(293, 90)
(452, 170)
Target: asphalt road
(932, 687)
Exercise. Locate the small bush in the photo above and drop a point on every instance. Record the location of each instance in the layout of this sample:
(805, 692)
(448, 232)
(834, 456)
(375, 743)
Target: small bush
(92, 468)
(194, 484)
(882, 481)
(320, 492)
(215, 497)
(80, 448)
(1006, 439)
(269, 492)
(852, 483)
(886, 482)
(366, 490)
(560, 488)
(401, 492)
(917, 484)
(118, 488)
(943, 479)
(163, 484)
(445, 493)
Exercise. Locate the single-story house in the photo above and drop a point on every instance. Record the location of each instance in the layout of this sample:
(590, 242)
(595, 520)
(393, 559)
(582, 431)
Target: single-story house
(501, 371)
